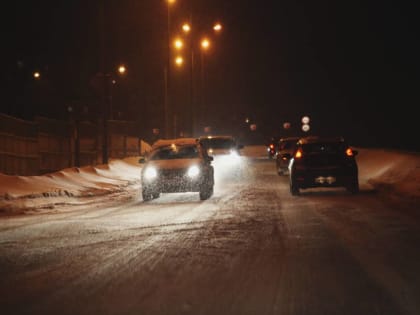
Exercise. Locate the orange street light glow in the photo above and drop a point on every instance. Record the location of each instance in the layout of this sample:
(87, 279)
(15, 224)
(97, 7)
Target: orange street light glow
(205, 43)
(178, 43)
(122, 69)
(217, 27)
(179, 61)
(186, 27)
(37, 75)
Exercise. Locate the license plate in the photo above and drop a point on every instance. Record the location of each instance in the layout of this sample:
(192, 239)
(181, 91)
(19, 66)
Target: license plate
(325, 180)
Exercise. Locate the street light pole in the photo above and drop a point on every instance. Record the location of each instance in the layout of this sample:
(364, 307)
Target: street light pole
(204, 46)
(104, 88)
(193, 109)
(166, 71)
(191, 118)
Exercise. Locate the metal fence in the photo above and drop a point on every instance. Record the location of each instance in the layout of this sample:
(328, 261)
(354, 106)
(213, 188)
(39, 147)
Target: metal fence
(47, 145)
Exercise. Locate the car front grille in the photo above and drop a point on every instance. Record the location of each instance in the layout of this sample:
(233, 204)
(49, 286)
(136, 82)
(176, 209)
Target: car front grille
(172, 174)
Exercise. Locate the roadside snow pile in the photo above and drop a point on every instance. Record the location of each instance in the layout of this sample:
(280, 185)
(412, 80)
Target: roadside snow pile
(18, 191)
(391, 171)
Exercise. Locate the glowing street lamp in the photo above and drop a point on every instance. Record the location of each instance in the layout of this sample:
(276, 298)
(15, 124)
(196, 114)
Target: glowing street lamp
(179, 61)
(122, 69)
(178, 43)
(37, 75)
(205, 44)
(217, 27)
(186, 27)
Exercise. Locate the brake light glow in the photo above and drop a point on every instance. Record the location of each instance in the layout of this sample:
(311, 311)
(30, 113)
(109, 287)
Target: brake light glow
(349, 152)
(298, 154)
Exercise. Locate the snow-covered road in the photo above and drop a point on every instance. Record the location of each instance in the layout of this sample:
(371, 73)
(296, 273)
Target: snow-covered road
(250, 249)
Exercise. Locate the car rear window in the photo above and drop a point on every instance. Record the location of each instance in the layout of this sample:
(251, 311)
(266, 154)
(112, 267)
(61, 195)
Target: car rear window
(330, 148)
(287, 145)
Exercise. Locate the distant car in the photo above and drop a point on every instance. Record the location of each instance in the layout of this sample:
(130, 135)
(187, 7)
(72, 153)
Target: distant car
(271, 146)
(285, 148)
(177, 165)
(323, 162)
(221, 145)
(226, 152)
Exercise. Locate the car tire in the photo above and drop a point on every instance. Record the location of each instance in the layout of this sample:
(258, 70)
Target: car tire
(206, 193)
(294, 188)
(353, 186)
(206, 190)
(146, 195)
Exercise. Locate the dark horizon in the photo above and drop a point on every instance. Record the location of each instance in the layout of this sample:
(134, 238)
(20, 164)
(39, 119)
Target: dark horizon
(353, 68)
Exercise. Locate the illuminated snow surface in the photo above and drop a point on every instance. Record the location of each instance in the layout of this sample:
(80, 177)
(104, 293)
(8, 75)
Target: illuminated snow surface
(396, 172)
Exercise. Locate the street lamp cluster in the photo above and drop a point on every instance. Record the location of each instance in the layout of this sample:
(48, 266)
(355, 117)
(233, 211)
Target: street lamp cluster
(179, 48)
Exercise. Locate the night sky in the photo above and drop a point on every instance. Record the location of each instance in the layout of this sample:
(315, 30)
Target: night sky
(351, 66)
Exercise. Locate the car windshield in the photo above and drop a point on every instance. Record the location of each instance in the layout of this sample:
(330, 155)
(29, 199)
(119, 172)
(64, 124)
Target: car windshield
(175, 152)
(218, 143)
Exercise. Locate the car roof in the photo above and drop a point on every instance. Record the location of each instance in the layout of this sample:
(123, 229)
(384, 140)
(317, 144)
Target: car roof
(217, 137)
(289, 139)
(177, 141)
(323, 139)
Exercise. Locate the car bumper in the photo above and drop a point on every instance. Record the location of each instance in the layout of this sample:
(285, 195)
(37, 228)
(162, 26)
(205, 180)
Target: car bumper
(173, 185)
(324, 177)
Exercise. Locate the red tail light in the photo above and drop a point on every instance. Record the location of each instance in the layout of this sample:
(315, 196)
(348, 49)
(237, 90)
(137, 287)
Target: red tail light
(298, 154)
(349, 152)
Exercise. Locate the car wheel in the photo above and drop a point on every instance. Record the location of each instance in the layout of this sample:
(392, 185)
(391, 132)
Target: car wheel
(206, 191)
(146, 195)
(353, 187)
(294, 188)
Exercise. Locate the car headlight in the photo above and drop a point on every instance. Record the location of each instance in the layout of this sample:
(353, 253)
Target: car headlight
(193, 171)
(150, 173)
(234, 154)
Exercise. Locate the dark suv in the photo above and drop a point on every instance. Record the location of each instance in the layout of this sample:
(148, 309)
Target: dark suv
(323, 162)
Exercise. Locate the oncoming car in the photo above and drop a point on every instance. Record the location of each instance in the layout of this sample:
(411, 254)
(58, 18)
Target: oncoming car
(221, 145)
(323, 162)
(178, 165)
(226, 153)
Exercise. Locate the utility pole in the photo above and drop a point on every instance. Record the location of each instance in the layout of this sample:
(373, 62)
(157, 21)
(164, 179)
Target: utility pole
(167, 73)
(104, 82)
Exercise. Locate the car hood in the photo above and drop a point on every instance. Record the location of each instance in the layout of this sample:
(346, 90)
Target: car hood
(173, 164)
